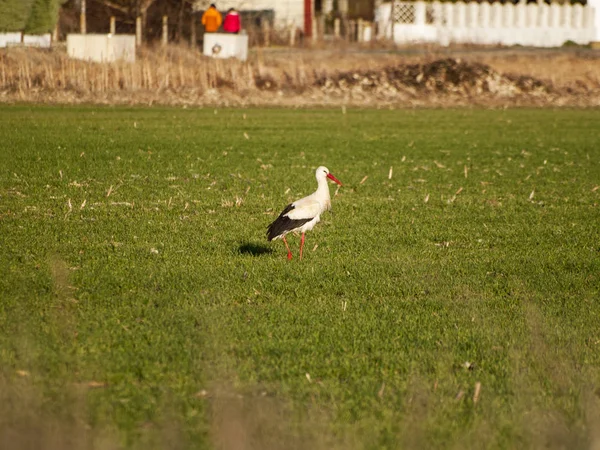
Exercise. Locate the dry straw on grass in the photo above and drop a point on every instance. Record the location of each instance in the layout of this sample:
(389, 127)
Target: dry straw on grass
(178, 75)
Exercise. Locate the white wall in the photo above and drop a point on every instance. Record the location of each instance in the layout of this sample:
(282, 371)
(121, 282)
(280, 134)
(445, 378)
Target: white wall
(101, 47)
(38, 40)
(7, 39)
(30, 40)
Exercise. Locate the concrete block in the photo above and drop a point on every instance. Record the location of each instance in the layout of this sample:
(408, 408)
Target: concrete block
(226, 45)
(38, 40)
(7, 39)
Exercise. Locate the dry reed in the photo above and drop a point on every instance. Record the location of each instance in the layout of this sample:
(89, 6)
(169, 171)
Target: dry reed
(179, 75)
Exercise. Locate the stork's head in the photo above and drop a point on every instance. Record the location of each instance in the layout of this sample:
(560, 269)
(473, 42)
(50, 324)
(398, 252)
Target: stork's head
(323, 172)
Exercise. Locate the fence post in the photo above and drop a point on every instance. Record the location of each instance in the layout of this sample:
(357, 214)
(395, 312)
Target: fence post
(420, 13)
(368, 31)
(138, 31)
(292, 35)
(595, 19)
(437, 13)
(544, 16)
(343, 7)
(351, 30)
(532, 16)
(193, 31)
(266, 29)
(165, 34)
(112, 25)
(360, 27)
(473, 15)
(521, 23)
(567, 15)
(322, 26)
(555, 15)
(82, 23)
(449, 14)
(461, 15)
(509, 16)
(497, 16)
(336, 27)
(485, 9)
(578, 16)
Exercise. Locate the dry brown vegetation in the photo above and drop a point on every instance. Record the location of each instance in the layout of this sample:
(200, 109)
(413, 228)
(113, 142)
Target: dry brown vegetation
(322, 76)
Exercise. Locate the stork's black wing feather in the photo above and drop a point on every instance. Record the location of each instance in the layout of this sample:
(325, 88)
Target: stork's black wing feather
(284, 224)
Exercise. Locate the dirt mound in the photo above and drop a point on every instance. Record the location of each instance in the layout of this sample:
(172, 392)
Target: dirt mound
(443, 76)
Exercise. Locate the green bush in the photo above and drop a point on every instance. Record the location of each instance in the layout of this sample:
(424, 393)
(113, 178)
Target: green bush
(43, 16)
(14, 14)
(30, 16)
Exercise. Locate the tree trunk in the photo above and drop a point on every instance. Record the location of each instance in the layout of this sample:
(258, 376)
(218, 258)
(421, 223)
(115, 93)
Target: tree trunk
(82, 18)
(180, 19)
(144, 20)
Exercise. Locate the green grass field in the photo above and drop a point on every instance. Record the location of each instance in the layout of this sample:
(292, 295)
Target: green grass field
(453, 305)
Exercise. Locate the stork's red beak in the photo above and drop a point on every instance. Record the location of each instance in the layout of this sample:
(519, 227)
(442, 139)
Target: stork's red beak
(331, 177)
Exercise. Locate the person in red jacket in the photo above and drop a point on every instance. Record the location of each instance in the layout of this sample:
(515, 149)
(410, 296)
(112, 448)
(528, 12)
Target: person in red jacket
(232, 23)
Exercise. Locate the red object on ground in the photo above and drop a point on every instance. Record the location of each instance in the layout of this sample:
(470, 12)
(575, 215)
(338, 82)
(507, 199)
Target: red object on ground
(232, 23)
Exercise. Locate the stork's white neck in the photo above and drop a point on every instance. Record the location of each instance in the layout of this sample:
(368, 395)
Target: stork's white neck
(322, 193)
(323, 185)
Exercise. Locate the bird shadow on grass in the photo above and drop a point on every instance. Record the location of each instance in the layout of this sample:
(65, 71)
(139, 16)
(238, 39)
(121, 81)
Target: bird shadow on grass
(249, 248)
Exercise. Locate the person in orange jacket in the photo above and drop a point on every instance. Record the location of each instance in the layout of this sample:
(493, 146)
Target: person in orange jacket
(211, 19)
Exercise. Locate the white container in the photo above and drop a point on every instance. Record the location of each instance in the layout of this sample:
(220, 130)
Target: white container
(226, 45)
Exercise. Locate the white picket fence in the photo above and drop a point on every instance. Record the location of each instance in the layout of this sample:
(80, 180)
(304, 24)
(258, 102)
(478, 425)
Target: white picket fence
(533, 24)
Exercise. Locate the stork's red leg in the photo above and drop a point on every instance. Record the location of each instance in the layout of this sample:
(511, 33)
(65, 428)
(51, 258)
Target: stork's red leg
(288, 249)
(301, 246)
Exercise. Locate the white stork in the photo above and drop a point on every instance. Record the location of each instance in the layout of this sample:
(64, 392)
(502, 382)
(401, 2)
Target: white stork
(302, 215)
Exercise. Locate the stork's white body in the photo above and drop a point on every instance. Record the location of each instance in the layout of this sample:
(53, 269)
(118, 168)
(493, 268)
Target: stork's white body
(302, 215)
(310, 207)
